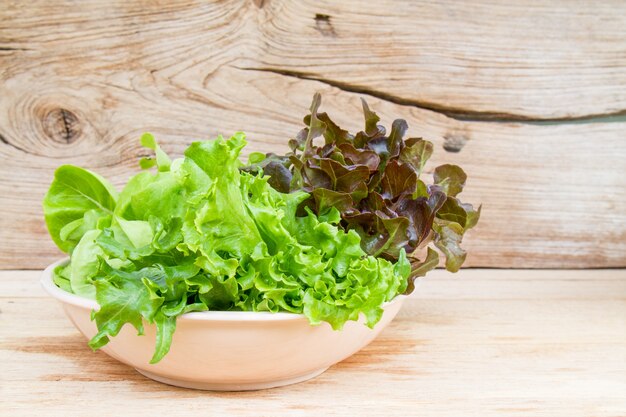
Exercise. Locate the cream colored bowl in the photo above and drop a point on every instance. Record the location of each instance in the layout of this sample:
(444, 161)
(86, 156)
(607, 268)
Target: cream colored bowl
(229, 350)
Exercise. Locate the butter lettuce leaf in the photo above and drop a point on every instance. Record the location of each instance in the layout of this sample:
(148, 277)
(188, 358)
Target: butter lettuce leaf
(76, 201)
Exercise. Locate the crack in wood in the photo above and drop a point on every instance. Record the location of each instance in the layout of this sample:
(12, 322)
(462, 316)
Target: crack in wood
(455, 113)
(67, 133)
(9, 48)
(6, 142)
(62, 125)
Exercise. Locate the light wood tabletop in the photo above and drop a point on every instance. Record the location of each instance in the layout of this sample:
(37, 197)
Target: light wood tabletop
(483, 342)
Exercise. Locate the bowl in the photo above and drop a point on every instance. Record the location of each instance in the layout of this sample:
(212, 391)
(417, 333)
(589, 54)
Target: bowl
(229, 350)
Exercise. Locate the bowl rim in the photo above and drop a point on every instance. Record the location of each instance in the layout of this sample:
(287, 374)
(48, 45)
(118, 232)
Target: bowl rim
(68, 298)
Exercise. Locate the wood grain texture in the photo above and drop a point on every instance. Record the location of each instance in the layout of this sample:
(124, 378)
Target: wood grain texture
(79, 83)
(525, 342)
(486, 59)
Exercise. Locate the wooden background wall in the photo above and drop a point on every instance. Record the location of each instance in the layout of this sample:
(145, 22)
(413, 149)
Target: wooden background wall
(528, 96)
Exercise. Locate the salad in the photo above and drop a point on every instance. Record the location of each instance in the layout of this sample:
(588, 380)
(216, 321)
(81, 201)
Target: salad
(332, 229)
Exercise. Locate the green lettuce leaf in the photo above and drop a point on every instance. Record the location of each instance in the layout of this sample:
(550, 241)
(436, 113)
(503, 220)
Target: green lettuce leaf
(201, 234)
(85, 264)
(123, 299)
(162, 161)
(76, 200)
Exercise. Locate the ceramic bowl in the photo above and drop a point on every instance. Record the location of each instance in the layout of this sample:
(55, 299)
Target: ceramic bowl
(229, 350)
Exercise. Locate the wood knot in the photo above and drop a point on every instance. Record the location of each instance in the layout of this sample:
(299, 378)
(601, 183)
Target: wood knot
(62, 125)
(323, 25)
(260, 3)
(454, 142)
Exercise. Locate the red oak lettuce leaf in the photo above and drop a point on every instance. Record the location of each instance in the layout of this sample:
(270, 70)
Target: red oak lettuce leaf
(373, 180)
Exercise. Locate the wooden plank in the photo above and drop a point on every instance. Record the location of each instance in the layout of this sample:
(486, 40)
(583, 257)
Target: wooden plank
(552, 197)
(531, 59)
(481, 59)
(80, 83)
(446, 354)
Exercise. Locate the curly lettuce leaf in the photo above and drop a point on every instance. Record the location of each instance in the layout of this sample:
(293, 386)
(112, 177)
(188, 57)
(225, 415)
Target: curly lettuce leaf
(123, 298)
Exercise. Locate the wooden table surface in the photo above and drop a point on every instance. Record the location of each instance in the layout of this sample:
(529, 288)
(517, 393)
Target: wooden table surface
(482, 342)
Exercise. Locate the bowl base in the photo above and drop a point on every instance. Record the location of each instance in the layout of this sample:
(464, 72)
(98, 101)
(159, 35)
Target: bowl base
(216, 386)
